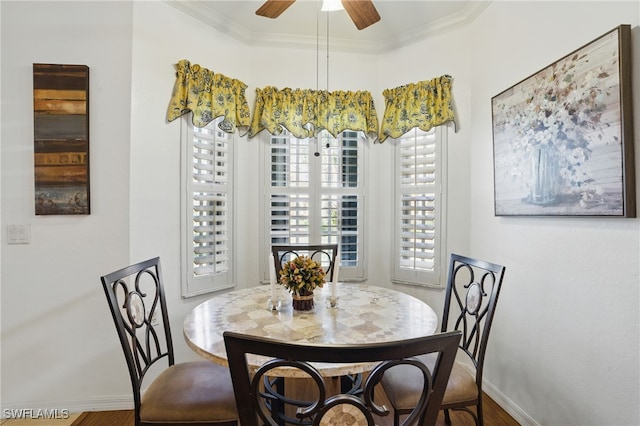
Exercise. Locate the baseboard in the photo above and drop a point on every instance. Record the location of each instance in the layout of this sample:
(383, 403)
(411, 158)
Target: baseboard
(508, 405)
(105, 403)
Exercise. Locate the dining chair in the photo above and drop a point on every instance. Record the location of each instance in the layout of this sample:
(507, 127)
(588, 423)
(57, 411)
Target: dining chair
(472, 291)
(326, 254)
(196, 392)
(254, 405)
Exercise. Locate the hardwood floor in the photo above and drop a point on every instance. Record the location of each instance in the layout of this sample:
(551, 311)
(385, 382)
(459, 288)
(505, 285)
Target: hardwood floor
(41, 422)
(494, 416)
(104, 418)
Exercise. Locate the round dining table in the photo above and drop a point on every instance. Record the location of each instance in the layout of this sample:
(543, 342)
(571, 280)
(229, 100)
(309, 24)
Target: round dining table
(362, 314)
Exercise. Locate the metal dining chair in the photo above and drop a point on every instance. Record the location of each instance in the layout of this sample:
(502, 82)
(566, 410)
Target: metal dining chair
(197, 392)
(472, 291)
(325, 254)
(257, 407)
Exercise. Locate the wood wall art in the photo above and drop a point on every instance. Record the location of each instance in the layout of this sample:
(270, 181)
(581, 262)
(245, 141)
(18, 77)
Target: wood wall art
(563, 137)
(61, 139)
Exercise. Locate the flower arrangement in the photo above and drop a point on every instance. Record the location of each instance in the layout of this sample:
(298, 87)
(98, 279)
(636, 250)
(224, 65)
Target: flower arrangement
(302, 275)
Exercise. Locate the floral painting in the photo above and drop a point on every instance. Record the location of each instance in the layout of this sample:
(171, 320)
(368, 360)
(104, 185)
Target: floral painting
(561, 136)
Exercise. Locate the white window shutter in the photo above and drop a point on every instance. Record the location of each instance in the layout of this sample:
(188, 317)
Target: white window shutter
(419, 231)
(207, 225)
(313, 199)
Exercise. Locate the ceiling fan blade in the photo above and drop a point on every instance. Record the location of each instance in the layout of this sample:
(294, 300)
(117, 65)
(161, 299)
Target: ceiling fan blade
(362, 12)
(273, 8)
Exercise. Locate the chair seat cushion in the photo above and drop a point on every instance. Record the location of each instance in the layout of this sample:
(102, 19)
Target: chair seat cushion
(190, 392)
(461, 388)
(403, 386)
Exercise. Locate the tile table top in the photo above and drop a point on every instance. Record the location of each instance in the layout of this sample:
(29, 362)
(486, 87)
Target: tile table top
(364, 314)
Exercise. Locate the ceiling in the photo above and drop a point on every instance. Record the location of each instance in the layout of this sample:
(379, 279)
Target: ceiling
(302, 25)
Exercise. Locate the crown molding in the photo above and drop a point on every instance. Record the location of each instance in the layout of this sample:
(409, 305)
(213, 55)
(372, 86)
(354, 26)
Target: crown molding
(199, 11)
(311, 43)
(440, 26)
(202, 13)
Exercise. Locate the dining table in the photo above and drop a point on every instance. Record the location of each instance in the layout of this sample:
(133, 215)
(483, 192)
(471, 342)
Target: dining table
(362, 314)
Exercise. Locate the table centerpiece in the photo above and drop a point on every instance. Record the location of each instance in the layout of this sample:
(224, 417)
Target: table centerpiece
(301, 276)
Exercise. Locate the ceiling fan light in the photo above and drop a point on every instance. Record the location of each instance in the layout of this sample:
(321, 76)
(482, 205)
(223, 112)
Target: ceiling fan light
(331, 5)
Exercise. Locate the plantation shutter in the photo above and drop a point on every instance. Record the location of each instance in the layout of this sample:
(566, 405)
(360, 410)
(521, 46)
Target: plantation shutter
(207, 207)
(316, 199)
(418, 213)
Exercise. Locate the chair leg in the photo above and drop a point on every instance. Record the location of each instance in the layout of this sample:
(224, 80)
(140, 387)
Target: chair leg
(279, 405)
(479, 414)
(447, 417)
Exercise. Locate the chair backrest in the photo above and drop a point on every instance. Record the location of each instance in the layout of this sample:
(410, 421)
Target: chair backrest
(252, 403)
(137, 302)
(473, 285)
(326, 254)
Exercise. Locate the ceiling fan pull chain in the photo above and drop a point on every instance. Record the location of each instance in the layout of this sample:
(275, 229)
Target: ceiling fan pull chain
(327, 53)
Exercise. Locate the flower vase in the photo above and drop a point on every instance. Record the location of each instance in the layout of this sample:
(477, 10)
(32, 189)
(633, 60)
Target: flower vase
(543, 176)
(302, 302)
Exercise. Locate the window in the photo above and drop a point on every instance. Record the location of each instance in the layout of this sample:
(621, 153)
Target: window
(207, 205)
(313, 193)
(419, 248)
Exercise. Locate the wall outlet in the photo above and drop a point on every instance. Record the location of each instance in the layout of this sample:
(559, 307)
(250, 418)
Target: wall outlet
(18, 234)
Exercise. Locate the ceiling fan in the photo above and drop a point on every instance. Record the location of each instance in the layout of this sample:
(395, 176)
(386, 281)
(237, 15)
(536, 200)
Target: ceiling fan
(361, 12)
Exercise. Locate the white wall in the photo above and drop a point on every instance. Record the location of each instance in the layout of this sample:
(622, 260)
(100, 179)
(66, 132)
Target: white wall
(56, 334)
(568, 280)
(162, 36)
(568, 313)
(565, 339)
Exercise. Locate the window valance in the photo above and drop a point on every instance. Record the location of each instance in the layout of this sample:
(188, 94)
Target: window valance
(209, 95)
(304, 112)
(424, 105)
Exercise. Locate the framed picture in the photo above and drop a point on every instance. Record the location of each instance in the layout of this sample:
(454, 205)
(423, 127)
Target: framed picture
(61, 139)
(563, 137)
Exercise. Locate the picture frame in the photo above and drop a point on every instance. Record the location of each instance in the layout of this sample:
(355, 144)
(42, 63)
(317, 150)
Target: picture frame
(61, 139)
(563, 137)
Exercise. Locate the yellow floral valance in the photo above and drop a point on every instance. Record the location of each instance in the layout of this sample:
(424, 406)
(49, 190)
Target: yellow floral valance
(423, 105)
(304, 112)
(209, 95)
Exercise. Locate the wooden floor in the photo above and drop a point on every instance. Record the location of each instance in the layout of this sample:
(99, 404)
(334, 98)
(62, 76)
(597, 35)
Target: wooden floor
(493, 416)
(104, 418)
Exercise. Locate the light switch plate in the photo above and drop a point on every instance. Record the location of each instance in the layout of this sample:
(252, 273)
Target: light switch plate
(18, 234)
